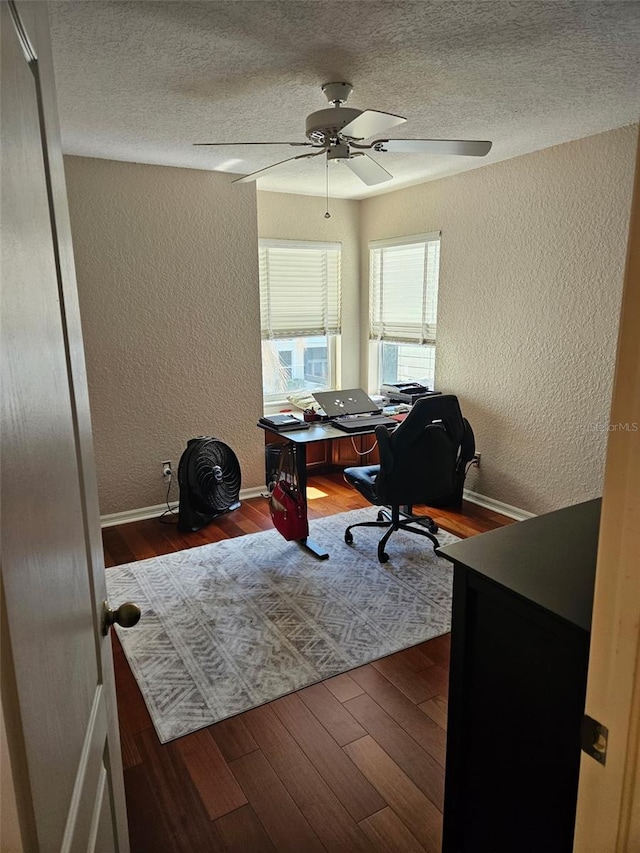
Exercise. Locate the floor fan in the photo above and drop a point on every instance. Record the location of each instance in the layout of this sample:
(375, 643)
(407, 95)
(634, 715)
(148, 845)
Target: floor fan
(209, 479)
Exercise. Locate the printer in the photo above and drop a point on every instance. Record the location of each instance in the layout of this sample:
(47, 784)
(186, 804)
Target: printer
(406, 392)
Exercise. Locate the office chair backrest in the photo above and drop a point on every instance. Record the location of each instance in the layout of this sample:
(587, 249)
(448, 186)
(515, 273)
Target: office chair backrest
(423, 460)
(443, 409)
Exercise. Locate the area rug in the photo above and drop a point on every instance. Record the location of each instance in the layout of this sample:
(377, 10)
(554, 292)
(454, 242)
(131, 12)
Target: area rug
(237, 623)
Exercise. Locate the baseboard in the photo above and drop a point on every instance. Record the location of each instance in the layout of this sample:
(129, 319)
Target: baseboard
(111, 519)
(498, 506)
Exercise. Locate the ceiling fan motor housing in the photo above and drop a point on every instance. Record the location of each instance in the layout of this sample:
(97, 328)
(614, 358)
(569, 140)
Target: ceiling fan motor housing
(325, 125)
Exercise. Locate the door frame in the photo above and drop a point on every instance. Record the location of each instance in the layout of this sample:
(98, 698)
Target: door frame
(608, 815)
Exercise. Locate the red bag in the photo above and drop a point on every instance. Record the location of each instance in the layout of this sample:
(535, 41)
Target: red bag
(288, 511)
(286, 503)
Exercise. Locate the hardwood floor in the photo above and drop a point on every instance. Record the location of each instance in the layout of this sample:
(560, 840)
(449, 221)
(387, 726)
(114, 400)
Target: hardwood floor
(355, 763)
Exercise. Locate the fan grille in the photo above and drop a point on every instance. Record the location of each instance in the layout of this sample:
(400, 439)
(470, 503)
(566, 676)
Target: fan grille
(216, 472)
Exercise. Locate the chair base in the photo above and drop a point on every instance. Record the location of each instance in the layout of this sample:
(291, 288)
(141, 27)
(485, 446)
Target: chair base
(407, 515)
(392, 524)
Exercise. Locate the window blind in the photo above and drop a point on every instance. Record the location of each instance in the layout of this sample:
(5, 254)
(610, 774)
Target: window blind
(403, 277)
(299, 288)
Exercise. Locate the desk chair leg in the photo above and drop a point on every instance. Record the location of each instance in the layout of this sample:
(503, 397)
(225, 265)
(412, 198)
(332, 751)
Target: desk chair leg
(407, 512)
(426, 533)
(383, 557)
(348, 536)
(390, 526)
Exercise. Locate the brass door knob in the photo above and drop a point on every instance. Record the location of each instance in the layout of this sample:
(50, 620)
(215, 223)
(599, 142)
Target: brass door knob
(127, 615)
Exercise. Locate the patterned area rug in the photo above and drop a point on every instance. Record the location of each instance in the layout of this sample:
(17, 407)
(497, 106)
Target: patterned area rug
(229, 626)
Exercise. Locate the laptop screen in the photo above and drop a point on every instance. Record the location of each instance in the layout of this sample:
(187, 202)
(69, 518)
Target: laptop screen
(353, 401)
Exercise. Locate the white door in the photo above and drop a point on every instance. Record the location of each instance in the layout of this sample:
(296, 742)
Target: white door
(58, 696)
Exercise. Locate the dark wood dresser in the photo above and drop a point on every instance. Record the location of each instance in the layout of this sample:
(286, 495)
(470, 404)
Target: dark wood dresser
(522, 601)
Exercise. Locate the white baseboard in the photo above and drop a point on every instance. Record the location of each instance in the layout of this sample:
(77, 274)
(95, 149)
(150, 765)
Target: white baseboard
(498, 506)
(111, 519)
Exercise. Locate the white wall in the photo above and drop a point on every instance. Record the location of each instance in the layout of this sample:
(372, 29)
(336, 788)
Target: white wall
(167, 266)
(532, 260)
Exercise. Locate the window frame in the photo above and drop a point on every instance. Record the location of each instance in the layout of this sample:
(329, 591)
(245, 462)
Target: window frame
(424, 332)
(325, 316)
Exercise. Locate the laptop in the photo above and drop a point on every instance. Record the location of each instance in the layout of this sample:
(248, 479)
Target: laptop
(352, 410)
(353, 401)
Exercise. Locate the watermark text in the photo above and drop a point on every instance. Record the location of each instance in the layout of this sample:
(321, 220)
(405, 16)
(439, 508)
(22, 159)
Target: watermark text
(604, 426)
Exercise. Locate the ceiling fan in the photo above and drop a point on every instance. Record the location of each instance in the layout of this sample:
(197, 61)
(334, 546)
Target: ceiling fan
(339, 132)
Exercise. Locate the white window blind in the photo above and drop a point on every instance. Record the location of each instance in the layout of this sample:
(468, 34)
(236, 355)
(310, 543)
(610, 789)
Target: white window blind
(299, 288)
(403, 276)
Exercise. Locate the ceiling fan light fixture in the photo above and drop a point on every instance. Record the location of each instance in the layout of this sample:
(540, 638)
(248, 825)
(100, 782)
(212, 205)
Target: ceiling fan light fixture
(322, 125)
(339, 152)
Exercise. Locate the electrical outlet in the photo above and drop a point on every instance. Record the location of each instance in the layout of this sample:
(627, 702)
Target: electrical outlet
(166, 470)
(476, 459)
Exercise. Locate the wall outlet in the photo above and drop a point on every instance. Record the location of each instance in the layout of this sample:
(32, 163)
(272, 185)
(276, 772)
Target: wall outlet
(475, 461)
(166, 470)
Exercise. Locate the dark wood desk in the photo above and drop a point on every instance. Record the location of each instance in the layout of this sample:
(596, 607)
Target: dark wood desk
(302, 438)
(522, 600)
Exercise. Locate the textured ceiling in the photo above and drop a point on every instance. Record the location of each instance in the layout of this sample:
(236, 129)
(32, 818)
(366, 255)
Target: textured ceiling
(142, 81)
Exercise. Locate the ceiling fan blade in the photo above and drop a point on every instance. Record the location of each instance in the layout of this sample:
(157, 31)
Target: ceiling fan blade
(370, 122)
(367, 169)
(255, 175)
(467, 147)
(254, 143)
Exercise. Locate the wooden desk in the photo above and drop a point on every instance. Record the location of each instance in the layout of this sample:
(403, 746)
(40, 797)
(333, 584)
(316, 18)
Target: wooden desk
(334, 449)
(522, 600)
(302, 439)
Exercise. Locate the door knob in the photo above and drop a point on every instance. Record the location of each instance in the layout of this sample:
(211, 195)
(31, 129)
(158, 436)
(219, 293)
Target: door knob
(127, 615)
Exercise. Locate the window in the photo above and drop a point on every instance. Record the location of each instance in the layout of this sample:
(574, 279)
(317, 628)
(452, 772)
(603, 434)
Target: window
(300, 316)
(316, 367)
(286, 364)
(403, 293)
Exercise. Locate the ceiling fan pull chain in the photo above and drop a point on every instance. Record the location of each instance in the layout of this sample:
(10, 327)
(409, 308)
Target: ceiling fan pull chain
(327, 214)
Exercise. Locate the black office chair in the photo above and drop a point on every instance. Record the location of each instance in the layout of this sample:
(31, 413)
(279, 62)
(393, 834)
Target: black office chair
(423, 461)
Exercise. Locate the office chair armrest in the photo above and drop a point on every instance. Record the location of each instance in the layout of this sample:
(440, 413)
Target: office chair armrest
(384, 448)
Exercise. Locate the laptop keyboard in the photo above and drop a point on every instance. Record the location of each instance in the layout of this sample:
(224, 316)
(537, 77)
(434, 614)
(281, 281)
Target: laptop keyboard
(366, 422)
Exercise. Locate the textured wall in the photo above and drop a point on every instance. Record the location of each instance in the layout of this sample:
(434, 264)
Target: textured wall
(297, 217)
(167, 268)
(532, 261)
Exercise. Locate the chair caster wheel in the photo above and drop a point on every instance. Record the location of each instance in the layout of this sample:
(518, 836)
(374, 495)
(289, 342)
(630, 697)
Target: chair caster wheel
(432, 528)
(383, 558)
(348, 538)
(381, 516)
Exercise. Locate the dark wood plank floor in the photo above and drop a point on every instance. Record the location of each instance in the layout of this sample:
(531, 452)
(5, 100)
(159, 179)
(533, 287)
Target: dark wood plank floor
(352, 764)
